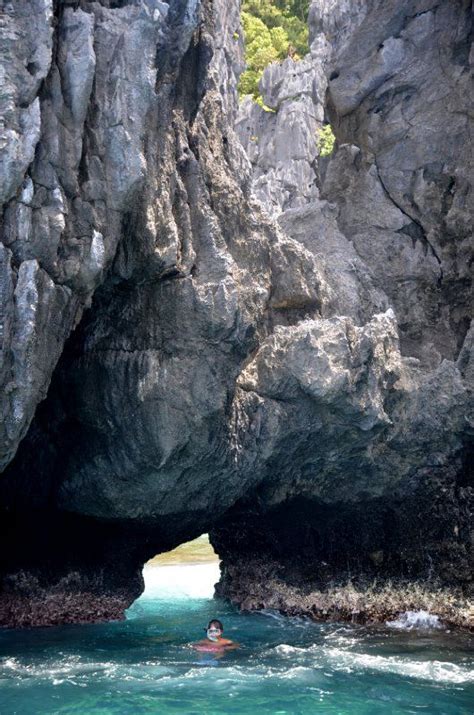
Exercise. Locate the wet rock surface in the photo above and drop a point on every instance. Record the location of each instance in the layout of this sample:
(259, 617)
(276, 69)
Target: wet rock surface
(303, 389)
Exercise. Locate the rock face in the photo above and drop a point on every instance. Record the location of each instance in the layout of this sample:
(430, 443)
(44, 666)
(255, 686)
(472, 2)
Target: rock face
(389, 219)
(408, 125)
(137, 201)
(281, 139)
(301, 387)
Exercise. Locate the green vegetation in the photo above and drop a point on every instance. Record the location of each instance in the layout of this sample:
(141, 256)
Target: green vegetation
(274, 29)
(326, 140)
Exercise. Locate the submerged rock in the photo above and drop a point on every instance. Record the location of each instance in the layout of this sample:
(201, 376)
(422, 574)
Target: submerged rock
(301, 388)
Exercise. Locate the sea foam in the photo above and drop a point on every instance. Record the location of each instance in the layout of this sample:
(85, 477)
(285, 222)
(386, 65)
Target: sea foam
(433, 670)
(415, 620)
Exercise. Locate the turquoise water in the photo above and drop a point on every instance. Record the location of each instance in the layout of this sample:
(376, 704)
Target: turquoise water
(285, 666)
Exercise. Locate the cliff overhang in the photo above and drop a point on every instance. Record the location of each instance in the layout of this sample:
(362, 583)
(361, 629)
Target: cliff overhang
(176, 360)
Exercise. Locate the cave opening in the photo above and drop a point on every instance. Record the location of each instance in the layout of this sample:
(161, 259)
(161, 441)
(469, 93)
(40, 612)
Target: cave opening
(189, 571)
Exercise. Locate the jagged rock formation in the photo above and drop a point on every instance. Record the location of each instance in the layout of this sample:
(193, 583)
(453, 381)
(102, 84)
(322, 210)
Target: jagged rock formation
(281, 138)
(391, 225)
(420, 207)
(225, 372)
(137, 195)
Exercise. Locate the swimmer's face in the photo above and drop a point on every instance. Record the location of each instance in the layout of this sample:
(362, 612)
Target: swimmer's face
(213, 633)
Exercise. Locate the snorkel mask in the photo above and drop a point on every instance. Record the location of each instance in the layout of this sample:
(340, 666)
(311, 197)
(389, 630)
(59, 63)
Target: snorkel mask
(213, 634)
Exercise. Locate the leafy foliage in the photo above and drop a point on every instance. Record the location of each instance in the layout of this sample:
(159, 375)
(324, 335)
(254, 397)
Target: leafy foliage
(326, 140)
(274, 29)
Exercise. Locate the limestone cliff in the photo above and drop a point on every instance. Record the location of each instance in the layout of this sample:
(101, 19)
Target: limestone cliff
(301, 386)
(131, 201)
(389, 218)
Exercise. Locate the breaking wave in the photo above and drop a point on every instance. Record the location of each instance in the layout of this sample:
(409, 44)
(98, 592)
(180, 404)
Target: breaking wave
(416, 620)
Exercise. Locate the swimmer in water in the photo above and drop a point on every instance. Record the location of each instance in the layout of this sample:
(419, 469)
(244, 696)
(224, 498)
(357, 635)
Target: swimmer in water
(215, 641)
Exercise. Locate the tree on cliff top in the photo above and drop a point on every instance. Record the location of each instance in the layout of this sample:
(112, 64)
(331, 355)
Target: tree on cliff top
(274, 29)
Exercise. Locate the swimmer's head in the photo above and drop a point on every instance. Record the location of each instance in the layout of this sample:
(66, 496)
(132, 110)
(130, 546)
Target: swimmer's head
(214, 630)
